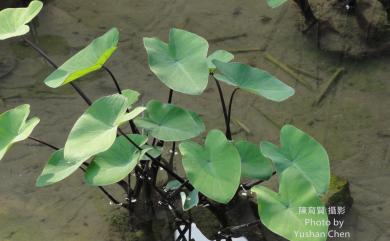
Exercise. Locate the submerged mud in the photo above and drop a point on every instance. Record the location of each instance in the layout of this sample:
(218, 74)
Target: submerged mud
(356, 28)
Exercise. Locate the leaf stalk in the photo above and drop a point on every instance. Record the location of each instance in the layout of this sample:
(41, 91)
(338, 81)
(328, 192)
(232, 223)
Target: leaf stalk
(224, 110)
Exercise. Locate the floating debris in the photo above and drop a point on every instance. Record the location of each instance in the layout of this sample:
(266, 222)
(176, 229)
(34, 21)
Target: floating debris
(328, 84)
(304, 72)
(244, 50)
(231, 37)
(288, 70)
(241, 125)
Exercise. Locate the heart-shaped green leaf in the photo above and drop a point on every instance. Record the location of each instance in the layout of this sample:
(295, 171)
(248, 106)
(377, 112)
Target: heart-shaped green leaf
(95, 131)
(116, 163)
(253, 163)
(15, 127)
(168, 122)
(214, 169)
(57, 169)
(301, 151)
(13, 21)
(282, 212)
(275, 3)
(182, 63)
(89, 59)
(253, 80)
(190, 201)
(221, 55)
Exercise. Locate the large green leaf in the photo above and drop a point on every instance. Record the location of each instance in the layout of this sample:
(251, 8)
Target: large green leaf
(116, 163)
(253, 163)
(87, 60)
(95, 131)
(221, 55)
(13, 21)
(181, 64)
(168, 122)
(283, 213)
(301, 151)
(253, 80)
(275, 3)
(214, 169)
(15, 127)
(57, 169)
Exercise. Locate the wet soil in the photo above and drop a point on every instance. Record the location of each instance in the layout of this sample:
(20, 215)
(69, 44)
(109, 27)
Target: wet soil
(352, 120)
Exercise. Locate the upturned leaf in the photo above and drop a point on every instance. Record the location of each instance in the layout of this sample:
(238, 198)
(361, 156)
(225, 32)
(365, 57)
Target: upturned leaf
(15, 127)
(95, 131)
(282, 212)
(221, 55)
(253, 163)
(117, 162)
(169, 122)
(302, 152)
(131, 95)
(87, 60)
(213, 169)
(253, 80)
(57, 169)
(190, 201)
(13, 21)
(182, 63)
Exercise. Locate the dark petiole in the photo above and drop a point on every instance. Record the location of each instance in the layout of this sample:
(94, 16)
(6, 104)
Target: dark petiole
(225, 113)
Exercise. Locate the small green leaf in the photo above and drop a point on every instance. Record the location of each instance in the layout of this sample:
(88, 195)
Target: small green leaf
(253, 163)
(214, 169)
(116, 163)
(131, 95)
(253, 80)
(89, 59)
(190, 201)
(131, 115)
(154, 151)
(172, 185)
(181, 64)
(221, 55)
(301, 151)
(13, 21)
(280, 212)
(275, 3)
(95, 131)
(57, 169)
(168, 122)
(15, 127)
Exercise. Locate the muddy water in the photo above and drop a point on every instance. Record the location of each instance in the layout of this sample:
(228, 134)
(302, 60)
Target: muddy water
(352, 121)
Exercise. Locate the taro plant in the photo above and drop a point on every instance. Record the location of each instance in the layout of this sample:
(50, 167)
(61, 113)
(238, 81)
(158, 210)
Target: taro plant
(215, 169)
